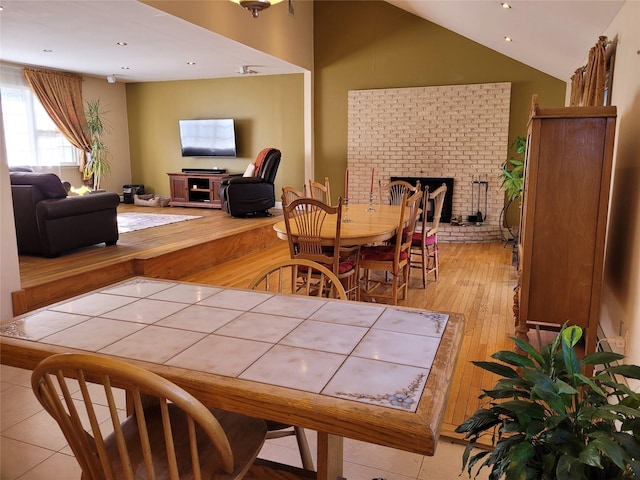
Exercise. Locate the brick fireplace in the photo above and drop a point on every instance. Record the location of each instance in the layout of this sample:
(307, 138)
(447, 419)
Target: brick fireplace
(458, 132)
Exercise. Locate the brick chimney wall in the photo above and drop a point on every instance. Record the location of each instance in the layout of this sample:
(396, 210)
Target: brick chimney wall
(458, 131)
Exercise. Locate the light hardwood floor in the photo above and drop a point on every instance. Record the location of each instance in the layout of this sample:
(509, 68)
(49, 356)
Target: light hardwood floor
(476, 280)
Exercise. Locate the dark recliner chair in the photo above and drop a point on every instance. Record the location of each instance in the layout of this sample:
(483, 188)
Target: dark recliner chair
(252, 196)
(49, 223)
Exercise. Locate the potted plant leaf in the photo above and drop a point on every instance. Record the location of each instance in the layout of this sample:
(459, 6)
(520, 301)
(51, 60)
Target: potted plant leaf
(98, 164)
(547, 419)
(512, 170)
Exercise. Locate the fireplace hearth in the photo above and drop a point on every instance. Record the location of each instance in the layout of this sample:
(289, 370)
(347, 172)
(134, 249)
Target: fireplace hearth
(433, 183)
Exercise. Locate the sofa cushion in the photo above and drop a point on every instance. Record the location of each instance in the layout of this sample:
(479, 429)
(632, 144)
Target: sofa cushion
(48, 184)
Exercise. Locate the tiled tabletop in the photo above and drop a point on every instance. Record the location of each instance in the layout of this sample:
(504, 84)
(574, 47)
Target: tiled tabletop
(366, 353)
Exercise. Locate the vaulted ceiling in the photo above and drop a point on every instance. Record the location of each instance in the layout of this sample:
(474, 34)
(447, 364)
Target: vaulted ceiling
(553, 36)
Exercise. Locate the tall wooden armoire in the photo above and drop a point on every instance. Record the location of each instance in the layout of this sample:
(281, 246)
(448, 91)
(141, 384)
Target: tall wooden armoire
(564, 218)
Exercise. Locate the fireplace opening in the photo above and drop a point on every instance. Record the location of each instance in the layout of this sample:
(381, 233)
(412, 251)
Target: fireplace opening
(433, 183)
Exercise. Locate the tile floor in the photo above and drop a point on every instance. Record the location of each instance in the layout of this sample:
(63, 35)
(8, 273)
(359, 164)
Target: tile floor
(32, 447)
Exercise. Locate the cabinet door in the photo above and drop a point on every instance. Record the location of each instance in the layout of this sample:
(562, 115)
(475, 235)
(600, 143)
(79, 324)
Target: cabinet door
(215, 186)
(565, 220)
(178, 188)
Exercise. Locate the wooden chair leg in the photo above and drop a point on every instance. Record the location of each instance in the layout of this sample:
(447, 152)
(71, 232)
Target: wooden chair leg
(405, 289)
(435, 259)
(424, 266)
(303, 446)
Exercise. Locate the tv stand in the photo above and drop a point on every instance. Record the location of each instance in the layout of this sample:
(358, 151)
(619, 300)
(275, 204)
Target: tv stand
(195, 189)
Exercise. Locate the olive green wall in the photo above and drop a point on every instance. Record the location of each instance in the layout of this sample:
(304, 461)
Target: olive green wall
(268, 111)
(372, 44)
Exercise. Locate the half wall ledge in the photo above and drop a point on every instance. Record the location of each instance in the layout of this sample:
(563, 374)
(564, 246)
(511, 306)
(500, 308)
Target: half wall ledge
(469, 233)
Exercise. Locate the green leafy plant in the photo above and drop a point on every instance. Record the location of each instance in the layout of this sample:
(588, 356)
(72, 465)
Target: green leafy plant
(512, 170)
(98, 164)
(548, 420)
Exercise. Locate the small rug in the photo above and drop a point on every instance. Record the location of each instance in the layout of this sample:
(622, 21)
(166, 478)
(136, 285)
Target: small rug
(130, 222)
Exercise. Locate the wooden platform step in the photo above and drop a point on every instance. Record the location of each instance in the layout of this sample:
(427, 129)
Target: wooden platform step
(171, 251)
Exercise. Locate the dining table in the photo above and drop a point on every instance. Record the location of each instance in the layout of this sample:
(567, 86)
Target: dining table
(374, 373)
(362, 224)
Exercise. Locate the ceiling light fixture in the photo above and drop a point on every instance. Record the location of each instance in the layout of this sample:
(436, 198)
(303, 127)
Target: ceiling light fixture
(505, 5)
(121, 44)
(256, 6)
(508, 39)
(111, 78)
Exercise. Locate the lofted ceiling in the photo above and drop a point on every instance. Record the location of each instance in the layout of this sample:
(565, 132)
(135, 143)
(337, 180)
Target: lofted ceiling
(553, 36)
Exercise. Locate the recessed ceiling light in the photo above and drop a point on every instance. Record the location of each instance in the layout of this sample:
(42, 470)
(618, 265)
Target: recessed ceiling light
(508, 39)
(191, 63)
(122, 44)
(505, 5)
(46, 50)
(124, 68)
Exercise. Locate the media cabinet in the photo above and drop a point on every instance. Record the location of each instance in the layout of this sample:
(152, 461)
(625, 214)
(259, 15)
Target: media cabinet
(195, 189)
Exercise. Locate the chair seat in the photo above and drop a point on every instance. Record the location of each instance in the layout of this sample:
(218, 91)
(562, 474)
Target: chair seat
(382, 253)
(244, 445)
(343, 267)
(416, 240)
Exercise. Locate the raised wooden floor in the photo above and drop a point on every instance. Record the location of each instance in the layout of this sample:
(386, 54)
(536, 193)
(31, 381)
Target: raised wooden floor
(476, 280)
(171, 251)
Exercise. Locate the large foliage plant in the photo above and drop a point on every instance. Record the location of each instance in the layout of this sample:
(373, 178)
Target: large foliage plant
(547, 419)
(98, 164)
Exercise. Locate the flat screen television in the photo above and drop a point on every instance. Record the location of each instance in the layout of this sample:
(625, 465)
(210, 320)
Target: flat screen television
(208, 138)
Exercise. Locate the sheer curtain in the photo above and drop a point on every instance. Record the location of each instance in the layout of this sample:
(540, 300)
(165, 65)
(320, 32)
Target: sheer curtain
(61, 96)
(588, 83)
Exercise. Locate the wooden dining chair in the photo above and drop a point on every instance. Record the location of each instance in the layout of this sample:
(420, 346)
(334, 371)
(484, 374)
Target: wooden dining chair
(425, 242)
(391, 193)
(320, 191)
(302, 277)
(169, 433)
(392, 259)
(299, 277)
(289, 194)
(305, 221)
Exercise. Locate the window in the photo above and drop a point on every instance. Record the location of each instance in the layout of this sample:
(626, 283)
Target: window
(31, 137)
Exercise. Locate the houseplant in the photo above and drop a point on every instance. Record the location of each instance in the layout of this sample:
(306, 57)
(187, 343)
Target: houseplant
(512, 170)
(512, 178)
(97, 164)
(548, 420)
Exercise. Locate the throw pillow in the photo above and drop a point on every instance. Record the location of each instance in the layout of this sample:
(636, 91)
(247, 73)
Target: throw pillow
(251, 168)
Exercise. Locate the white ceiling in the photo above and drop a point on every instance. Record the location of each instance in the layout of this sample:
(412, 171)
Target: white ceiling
(553, 36)
(83, 34)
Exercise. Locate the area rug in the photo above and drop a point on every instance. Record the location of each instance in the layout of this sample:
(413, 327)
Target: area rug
(130, 221)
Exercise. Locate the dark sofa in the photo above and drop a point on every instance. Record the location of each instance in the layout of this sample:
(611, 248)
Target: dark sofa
(48, 222)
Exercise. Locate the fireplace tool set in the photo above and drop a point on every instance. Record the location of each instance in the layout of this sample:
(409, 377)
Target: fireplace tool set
(479, 191)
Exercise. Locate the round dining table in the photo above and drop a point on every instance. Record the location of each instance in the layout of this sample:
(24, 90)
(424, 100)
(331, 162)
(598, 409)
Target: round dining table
(359, 226)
